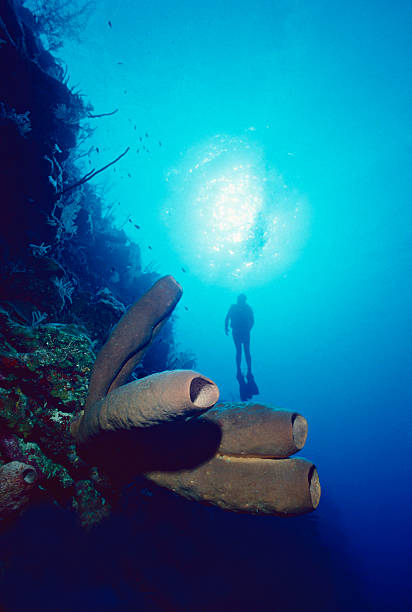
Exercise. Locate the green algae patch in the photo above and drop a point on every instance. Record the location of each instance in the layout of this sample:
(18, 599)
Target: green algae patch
(16, 412)
(90, 505)
(51, 363)
(44, 376)
(50, 470)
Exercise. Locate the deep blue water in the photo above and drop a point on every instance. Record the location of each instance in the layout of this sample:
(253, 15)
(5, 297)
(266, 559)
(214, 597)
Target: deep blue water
(319, 94)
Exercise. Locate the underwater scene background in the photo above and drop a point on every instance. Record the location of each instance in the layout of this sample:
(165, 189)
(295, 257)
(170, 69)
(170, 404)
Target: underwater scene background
(262, 149)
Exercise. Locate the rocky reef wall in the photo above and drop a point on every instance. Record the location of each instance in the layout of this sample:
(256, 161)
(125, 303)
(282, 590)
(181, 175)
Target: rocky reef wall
(59, 296)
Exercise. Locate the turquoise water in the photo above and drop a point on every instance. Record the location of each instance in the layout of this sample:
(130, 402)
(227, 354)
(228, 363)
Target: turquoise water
(237, 114)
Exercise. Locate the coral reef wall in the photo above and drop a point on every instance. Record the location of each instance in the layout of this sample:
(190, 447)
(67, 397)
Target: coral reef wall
(33, 137)
(67, 274)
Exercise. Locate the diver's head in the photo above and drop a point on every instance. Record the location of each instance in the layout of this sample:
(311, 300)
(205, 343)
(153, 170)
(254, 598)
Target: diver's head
(241, 299)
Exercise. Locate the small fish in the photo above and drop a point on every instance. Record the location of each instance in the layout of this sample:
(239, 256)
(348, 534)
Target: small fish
(97, 149)
(183, 270)
(160, 143)
(186, 308)
(140, 138)
(149, 247)
(130, 221)
(109, 24)
(90, 161)
(129, 175)
(120, 63)
(137, 226)
(147, 135)
(137, 150)
(134, 127)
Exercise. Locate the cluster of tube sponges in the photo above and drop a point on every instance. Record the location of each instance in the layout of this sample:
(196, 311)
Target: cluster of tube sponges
(236, 456)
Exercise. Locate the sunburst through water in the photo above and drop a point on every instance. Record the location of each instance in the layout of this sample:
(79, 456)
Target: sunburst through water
(231, 216)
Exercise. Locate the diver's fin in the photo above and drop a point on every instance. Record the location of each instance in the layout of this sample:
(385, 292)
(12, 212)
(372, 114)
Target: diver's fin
(252, 388)
(244, 390)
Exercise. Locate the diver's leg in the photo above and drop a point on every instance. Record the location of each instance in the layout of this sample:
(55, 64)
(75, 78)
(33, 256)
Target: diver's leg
(238, 346)
(246, 347)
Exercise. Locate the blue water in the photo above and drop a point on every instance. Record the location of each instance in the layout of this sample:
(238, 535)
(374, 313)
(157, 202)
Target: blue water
(314, 98)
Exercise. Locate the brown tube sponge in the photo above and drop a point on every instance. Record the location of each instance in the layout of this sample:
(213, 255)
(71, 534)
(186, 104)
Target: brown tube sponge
(255, 430)
(154, 400)
(131, 337)
(232, 455)
(16, 481)
(268, 486)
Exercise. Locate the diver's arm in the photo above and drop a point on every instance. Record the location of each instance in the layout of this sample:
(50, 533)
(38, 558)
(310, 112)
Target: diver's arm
(227, 321)
(251, 319)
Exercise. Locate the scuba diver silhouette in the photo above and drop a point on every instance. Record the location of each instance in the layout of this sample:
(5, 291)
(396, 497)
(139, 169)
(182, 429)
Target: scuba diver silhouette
(241, 319)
